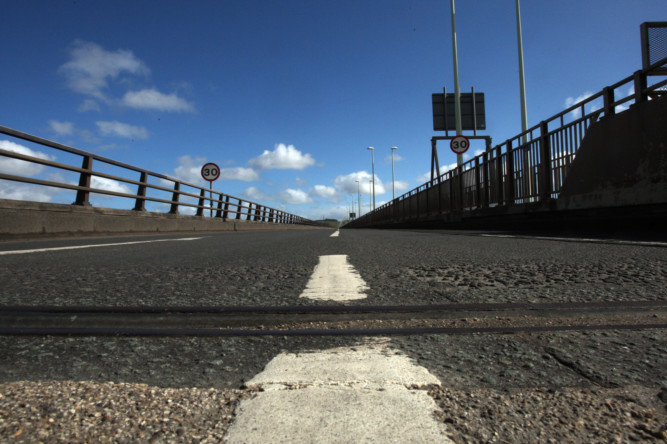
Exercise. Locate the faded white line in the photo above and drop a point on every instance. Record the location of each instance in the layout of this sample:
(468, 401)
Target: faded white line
(348, 394)
(335, 279)
(582, 239)
(77, 247)
(336, 234)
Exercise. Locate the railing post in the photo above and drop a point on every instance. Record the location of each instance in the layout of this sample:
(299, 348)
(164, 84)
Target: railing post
(510, 194)
(478, 183)
(258, 212)
(83, 196)
(640, 87)
(249, 213)
(219, 212)
(140, 203)
(499, 175)
(608, 97)
(239, 209)
(545, 154)
(487, 179)
(225, 213)
(200, 206)
(459, 171)
(174, 198)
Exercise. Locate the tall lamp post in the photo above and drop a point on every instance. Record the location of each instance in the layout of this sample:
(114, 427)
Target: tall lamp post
(457, 90)
(358, 198)
(393, 186)
(369, 200)
(373, 171)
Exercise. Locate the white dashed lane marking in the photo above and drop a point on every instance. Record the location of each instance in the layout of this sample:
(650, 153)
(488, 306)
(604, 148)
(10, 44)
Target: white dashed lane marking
(78, 247)
(336, 234)
(335, 279)
(348, 394)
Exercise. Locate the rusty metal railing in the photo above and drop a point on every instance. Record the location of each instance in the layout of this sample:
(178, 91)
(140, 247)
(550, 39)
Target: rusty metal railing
(530, 167)
(150, 186)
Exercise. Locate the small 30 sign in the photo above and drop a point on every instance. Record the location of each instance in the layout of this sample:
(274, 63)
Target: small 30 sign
(210, 172)
(459, 144)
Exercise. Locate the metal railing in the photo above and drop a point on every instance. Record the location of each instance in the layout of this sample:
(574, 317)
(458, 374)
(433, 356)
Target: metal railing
(530, 167)
(150, 186)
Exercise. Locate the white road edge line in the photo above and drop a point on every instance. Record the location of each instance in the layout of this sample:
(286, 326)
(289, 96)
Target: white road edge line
(336, 234)
(77, 247)
(574, 239)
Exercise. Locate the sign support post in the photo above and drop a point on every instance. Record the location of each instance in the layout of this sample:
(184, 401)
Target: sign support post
(210, 172)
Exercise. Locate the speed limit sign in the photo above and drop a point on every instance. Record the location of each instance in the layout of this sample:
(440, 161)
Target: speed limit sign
(210, 172)
(459, 144)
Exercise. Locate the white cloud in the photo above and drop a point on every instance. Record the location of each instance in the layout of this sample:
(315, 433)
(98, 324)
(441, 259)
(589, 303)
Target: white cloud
(283, 157)
(62, 128)
(397, 158)
(401, 187)
(119, 129)
(33, 193)
(347, 184)
(189, 170)
(426, 177)
(294, 197)
(89, 105)
(91, 67)
(239, 173)
(155, 100)
(255, 194)
(324, 191)
(571, 101)
(103, 183)
(21, 167)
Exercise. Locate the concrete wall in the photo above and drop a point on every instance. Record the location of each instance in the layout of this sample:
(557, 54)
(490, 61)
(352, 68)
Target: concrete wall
(18, 218)
(622, 161)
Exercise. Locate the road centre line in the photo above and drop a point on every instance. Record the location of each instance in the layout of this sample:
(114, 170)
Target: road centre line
(334, 278)
(77, 247)
(336, 234)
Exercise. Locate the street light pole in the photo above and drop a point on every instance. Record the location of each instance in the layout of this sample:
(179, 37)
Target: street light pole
(358, 198)
(524, 112)
(457, 89)
(369, 200)
(393, 186)
(373, 171)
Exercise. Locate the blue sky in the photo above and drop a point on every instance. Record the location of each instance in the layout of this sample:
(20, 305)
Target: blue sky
(286, 96)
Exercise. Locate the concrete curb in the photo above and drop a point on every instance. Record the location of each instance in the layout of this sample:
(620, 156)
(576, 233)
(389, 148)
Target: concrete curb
(20, 218)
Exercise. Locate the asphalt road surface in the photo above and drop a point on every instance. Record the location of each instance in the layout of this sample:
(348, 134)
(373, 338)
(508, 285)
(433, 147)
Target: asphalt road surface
(398, 268)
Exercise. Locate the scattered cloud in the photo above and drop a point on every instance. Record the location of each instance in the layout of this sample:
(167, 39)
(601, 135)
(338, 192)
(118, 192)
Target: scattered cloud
(62, 128)
(571, 101)
(91, 67)
(426, 177)
(21, 167)
(103, 183)
(402, 186)
(89, 105)
(189, 168)
(324, 191)
(348, 184)
(294, 197)
(152, 99)
(239, 173)
(283, 157)
(397, 158)
(255, 194)
(118, 129)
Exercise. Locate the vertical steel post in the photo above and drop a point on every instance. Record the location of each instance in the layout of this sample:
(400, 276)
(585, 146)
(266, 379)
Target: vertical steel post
(83, 196)
(457, 89)
(545, 154)
(174, 198)
(140, 203)
(202, 202)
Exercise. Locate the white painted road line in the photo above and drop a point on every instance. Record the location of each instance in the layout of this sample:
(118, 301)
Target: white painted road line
(335, 279)
(77, 247)
(336, 234)
(341, 395)
(576, 239)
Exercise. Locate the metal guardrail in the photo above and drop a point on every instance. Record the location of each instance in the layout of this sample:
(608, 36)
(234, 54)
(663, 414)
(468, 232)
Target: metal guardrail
(225, 206)
(530, 167)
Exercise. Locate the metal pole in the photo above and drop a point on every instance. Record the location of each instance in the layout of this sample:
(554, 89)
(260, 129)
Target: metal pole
(393, 186)
(524, 114)
(369, 200)
(373, 171)
(457, 90)
(358, 198)
(211, 210)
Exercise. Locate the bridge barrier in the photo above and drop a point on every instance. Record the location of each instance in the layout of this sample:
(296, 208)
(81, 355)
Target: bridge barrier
(101, 176)
(529, 173)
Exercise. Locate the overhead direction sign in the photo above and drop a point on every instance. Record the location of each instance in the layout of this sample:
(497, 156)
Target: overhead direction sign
(210, 172)
(459, 144)
(473, 116)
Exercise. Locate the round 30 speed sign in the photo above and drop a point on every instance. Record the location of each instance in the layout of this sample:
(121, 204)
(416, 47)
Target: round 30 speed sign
(210, 172)
(459, 144)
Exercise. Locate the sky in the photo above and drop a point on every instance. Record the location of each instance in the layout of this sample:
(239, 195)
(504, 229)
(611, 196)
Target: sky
(287, 96)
